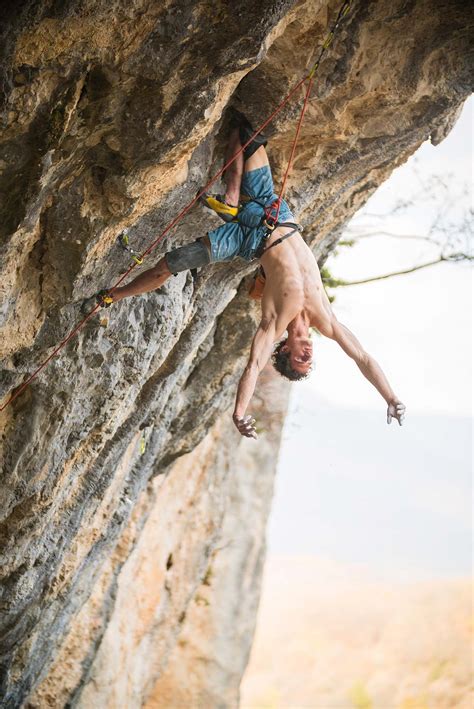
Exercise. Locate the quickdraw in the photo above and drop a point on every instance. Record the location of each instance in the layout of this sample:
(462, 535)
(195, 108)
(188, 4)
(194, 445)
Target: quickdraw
(124, 242)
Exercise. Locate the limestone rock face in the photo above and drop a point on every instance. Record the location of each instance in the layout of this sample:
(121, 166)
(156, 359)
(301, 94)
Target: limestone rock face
(184, 579)
(112, 115)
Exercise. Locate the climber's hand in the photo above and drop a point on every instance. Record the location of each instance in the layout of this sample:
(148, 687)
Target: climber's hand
(396, 410)
(245, 426)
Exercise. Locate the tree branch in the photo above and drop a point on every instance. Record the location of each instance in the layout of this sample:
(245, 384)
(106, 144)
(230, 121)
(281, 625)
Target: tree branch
(354, 236)
(339, 282)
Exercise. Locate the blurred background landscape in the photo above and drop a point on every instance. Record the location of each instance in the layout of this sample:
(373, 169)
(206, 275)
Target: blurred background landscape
(329, 636)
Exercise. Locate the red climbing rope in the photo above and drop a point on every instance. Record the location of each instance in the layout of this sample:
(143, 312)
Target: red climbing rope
(276, 205)
(309, 77)
(64, 342)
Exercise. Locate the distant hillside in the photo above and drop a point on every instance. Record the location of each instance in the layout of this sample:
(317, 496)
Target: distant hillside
(327, 637)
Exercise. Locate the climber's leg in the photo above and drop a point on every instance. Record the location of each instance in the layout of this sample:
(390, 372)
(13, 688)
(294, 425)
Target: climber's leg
(227, 205)
(147, 281)
(258, 159)
(233, 174)
(190, 256)
(253, 157)
(254, 147)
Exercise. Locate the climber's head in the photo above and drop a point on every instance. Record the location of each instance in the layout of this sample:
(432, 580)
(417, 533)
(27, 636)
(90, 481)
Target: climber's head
(293, 358)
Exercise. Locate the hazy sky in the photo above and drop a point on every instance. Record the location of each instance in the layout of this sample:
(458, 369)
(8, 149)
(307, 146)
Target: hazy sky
(418, 326)
(396, 500)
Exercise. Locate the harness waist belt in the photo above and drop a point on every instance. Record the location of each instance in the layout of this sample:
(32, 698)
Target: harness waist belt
(282, 238)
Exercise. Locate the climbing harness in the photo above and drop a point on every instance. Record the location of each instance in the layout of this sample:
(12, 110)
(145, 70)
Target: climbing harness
(296, 229)
(269, 222)
(269, 231)
(124, 242)
(309, 78)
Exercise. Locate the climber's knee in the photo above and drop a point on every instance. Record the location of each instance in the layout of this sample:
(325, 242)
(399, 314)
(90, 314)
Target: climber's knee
(190, 256)
(245, 133)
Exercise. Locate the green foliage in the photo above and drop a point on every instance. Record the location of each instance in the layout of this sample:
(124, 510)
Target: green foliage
(329, 282)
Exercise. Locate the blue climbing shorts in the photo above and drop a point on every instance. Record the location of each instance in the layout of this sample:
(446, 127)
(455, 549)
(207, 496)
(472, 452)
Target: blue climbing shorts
(244, 236)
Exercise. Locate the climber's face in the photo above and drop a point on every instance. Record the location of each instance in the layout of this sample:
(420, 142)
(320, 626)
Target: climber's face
(300, 354)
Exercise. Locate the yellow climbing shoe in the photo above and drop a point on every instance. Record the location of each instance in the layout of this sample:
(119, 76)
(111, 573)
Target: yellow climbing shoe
(104, 298)
(217, 203)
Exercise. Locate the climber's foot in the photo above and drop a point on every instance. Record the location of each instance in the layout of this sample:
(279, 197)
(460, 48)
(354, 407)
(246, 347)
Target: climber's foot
(217, 203)
(102, 298)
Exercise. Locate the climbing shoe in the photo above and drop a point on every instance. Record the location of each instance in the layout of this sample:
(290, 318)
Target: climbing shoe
(104, 298)
(217, 203)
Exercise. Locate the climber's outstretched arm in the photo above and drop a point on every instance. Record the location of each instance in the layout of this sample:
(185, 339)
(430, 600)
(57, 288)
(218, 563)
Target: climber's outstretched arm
(367, 365)
(260, 352)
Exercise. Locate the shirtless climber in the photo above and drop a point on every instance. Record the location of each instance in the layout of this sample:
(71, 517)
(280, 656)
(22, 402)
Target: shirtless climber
(292, 294)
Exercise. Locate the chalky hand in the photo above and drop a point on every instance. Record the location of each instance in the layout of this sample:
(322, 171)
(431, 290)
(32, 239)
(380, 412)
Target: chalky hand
(246, 426)
(396, 410)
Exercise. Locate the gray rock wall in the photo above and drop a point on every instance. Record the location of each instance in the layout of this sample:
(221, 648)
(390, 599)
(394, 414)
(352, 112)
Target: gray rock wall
(177, 598)
(112, 115)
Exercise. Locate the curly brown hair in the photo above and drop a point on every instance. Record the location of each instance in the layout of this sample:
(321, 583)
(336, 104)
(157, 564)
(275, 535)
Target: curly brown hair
(281, 362)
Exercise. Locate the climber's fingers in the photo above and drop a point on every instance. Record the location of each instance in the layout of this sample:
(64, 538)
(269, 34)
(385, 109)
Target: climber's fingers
(246, 426)
(396, 410)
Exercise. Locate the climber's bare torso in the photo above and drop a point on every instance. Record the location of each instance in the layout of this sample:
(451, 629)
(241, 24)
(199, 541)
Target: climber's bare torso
(293, 284)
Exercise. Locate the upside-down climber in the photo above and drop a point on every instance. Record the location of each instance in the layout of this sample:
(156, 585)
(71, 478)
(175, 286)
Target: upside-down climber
(293, 299)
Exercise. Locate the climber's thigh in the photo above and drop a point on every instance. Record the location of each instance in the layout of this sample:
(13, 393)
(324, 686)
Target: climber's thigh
(258, 184)
(226, 241)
